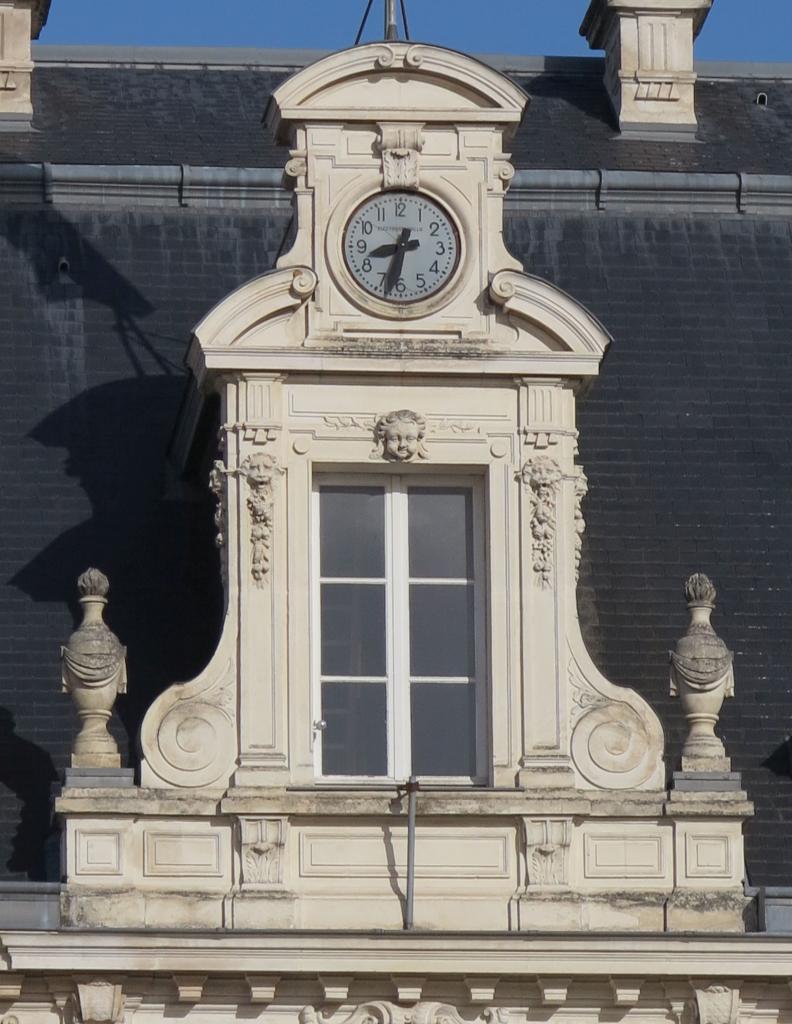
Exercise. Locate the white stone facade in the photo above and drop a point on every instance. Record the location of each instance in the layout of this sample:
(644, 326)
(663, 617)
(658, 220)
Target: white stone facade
(570, 827)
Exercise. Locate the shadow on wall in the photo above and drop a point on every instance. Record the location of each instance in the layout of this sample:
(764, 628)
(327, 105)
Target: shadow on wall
(165, 599)
(68, 268)
(28, 772)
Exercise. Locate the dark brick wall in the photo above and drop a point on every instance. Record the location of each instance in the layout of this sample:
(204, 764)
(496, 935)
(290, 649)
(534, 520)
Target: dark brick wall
(685, 439)
(90, 385)
(129, 115)
(686, 442)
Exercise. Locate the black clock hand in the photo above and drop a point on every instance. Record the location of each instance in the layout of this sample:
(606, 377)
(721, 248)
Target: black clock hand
(389, 250)
(395, 269)
(384, 250)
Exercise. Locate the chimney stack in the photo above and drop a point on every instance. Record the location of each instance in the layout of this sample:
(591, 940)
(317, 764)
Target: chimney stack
(20, 21)
(649, 61)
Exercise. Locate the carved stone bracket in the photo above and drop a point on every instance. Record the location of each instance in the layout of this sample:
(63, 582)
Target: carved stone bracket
(400, 146)
(263, 844)
(399, 437)
(254, 433)
(546, 847)
(541, 476)
(259, 471)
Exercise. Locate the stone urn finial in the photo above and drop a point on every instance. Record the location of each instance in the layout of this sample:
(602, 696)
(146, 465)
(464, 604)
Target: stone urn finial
(94, 673)
(702, 676)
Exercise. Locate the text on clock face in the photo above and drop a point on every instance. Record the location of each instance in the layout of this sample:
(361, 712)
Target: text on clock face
(401, 246)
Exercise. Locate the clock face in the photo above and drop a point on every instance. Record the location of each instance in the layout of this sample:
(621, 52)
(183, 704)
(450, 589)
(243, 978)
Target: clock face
(401, 247)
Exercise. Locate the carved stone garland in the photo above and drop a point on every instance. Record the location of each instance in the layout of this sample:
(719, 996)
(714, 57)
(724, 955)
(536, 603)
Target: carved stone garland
(541, 477)
(217, 487)
(422, 1013)
(259, 471)
(581, 490)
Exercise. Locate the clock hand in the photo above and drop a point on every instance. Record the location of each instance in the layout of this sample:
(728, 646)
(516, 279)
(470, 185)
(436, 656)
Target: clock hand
(384, 250)
(395, 269)
(390, 250)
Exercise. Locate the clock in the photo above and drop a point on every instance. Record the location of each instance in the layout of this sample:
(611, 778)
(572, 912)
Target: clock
(401, 247)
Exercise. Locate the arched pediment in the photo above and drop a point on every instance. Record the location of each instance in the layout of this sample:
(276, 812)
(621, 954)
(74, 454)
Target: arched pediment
(384, 81)
(568, 325)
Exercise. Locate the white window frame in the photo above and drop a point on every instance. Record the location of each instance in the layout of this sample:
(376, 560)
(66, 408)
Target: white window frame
(398, 724)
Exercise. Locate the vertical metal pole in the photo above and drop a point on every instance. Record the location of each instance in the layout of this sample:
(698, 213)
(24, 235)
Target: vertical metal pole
(391, 26)
(412, 792)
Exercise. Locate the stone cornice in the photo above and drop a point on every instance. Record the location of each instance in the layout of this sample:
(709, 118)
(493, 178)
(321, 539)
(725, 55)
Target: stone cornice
(370, 953)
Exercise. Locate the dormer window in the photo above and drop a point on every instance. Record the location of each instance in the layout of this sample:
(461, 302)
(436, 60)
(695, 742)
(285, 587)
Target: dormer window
(400, 649)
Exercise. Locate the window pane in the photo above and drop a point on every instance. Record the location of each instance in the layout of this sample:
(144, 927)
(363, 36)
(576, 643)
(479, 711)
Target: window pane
(443, 719)
(441, 532)
(441, 630)
(352, 531)
(354, 741)
(353, 629)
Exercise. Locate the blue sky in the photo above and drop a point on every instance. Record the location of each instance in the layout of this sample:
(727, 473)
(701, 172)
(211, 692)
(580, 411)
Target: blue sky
(736, 30)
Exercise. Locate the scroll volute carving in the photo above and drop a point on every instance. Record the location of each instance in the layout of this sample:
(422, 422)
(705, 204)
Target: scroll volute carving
(94, 673)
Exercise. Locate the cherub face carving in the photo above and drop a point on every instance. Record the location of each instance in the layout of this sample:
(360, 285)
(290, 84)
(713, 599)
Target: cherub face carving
(399, 436)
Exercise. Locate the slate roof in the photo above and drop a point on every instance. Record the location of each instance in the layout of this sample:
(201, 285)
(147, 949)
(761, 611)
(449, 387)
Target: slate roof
(685, 437)
(211, 115)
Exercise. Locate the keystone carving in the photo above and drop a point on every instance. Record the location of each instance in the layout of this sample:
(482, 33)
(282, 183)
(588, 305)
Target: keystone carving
(259, 471)
(541, 477)
(98, 1002)
(263, 845)
(400, 146)
(702, 676)
(546, 846)
(399, 437)
(717, 1004)
(94, 673)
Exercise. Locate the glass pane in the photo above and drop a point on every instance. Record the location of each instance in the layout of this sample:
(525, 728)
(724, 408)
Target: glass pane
(354, 741)
(443, 719)
(441, 532)
(353, 629)
(441, 630)
(352, 531)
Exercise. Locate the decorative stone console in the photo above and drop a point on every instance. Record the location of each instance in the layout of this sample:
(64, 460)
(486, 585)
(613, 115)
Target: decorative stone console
(566, 823)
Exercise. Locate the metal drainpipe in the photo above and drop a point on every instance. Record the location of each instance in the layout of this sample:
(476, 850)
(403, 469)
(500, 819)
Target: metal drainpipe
(412, 794)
